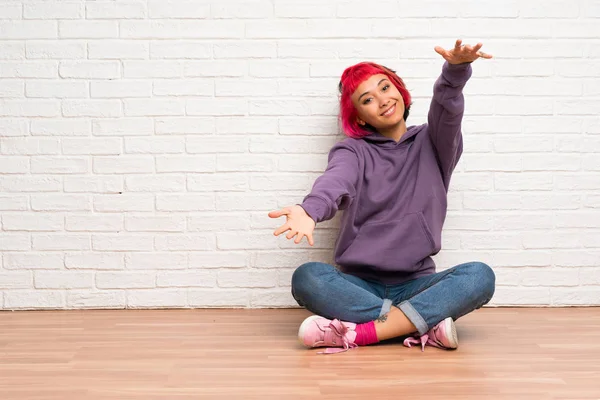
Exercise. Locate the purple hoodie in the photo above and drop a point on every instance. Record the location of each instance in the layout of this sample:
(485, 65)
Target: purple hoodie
(394, 194)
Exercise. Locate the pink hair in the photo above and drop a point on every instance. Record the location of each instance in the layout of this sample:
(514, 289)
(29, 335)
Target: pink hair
(351, 78)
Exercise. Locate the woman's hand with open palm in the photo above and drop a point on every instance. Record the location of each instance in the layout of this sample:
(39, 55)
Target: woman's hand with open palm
(461, 54)
(298, 223)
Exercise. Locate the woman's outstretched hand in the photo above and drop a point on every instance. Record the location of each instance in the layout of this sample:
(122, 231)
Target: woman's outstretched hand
(298, 223)
(461, 53)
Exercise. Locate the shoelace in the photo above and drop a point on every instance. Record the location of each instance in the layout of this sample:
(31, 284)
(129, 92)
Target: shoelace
(336, 328)
(424, 340)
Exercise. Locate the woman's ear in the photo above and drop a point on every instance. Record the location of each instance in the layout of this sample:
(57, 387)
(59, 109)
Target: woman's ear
(361, 122)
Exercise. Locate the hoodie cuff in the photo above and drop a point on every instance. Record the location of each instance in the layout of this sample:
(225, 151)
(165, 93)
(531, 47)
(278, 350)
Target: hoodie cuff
(315, 207)
(457, 74)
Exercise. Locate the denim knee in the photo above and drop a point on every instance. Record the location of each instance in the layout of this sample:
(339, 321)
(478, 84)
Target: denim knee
(484, 280)
(307, 278)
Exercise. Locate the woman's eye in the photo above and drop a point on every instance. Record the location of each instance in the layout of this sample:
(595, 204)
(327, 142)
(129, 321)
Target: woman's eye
(386, 87)
(367, 101)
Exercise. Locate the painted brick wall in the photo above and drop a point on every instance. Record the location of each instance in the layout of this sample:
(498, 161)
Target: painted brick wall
(142, 143)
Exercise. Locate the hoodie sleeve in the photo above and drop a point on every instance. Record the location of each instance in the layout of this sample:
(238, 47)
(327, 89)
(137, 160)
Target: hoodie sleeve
(445, 116)
(336, 188)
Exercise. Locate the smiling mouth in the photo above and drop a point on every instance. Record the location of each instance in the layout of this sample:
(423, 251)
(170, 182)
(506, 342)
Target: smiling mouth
(389, 111)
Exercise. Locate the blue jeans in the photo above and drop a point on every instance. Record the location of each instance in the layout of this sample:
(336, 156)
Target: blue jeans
(425, 301)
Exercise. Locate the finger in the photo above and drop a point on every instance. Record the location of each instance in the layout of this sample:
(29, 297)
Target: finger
(281, 229)
(311, 241)
(444, 53)
(291, 234)
(299, 238)
(484, 55)
(441, 51)
(279, 213)
(457, 44)
(477, 46)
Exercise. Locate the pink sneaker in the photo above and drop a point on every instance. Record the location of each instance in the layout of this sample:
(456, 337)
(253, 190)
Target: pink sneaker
(317, 331)
(443, 336)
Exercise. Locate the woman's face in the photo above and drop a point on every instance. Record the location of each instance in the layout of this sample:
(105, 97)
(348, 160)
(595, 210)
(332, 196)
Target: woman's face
(378, 103)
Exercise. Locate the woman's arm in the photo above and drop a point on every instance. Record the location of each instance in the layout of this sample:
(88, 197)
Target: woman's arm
(332, 191)
(336, 188)
(445, 116)
(447, 105)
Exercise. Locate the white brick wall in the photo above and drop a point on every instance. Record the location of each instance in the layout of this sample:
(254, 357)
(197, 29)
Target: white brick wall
(143, 142)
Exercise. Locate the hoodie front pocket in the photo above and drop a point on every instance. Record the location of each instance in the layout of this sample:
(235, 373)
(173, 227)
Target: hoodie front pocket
(396, 245)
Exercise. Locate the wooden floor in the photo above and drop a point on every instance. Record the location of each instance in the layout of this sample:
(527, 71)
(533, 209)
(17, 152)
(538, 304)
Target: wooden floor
(505, 353)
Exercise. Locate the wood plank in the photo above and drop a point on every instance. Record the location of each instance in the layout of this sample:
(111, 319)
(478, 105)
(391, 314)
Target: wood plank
(504, 353)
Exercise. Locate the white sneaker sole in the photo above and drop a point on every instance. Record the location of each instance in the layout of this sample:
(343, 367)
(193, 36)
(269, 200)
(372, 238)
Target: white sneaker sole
(450, 329)
(303, 328)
